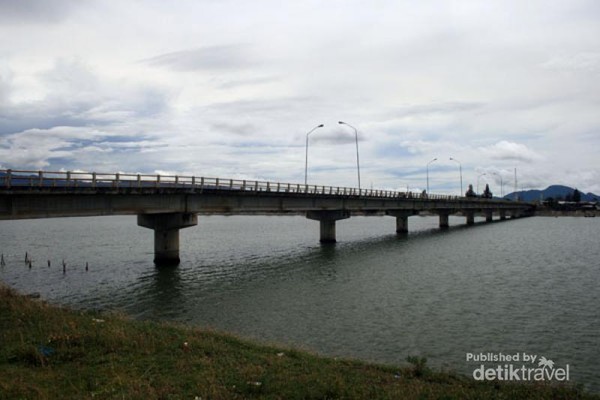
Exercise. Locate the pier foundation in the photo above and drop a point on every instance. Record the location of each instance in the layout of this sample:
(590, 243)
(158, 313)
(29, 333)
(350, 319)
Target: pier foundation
(166, 234)
(327, 222)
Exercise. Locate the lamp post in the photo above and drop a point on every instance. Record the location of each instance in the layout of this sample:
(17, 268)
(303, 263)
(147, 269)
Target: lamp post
(428, 173)
(306, 159)
(501, 184)
(460, 170)
(357, 163)
(478, 181)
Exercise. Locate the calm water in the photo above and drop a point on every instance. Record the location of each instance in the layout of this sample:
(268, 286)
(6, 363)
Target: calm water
(529, 285)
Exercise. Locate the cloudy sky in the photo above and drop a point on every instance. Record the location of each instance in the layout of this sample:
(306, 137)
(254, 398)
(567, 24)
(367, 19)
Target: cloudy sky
(230, 88)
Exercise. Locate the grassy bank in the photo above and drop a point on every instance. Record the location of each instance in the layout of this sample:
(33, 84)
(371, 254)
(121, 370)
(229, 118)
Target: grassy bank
(48, 352)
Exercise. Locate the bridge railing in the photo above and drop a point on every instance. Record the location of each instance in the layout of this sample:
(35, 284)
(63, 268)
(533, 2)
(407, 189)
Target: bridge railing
(92, 181)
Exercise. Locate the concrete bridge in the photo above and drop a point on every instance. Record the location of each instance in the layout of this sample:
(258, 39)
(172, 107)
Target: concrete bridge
(167, 204)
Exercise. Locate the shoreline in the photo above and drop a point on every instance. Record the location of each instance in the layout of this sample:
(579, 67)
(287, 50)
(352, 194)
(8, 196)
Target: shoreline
(55, 352)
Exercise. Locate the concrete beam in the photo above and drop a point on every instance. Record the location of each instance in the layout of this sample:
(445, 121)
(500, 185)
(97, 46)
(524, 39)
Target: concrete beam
(401, 220)
(327, 220)
(51, 204)
(166, 234)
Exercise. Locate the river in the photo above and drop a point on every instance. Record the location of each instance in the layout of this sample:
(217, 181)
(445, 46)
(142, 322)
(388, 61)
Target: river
(521, 286)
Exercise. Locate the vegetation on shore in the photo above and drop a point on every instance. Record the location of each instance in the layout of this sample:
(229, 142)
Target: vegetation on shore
(48, 352)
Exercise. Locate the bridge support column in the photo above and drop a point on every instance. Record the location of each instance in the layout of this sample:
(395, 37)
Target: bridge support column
(489, 216)
(402, 224)
(401, 220)
(444, 220)
(327, 222)
(470, 217)
(502, 215)
(166, 234)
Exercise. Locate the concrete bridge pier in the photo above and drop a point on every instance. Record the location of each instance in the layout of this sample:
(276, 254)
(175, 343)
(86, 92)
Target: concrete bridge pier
(166, 234)
(401, 220)
(502, 215)
(470, 217)
(444, 219)
(489, 216)
(327, 222)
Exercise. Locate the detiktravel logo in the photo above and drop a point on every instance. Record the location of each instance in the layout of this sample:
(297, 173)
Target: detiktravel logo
(516, 367)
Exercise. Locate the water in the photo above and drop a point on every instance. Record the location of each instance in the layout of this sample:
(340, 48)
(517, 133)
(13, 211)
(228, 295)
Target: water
(529, 285)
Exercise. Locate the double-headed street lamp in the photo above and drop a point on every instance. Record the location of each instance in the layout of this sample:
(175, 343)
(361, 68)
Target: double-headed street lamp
(460, 170)
(356, 137)
(435, 159)
(306, 160)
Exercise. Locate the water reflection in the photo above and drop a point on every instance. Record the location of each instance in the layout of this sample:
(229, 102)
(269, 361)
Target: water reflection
(165, 292)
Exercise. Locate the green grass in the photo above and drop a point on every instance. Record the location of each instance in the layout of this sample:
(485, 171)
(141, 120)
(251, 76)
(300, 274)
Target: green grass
(47, 352)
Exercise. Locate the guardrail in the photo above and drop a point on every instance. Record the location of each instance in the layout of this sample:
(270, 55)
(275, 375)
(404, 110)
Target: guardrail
(116, 182)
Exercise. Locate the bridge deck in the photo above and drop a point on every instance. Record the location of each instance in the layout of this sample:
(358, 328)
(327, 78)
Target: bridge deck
(30, 194)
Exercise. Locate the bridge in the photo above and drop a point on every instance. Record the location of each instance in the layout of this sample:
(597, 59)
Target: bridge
(167, 204)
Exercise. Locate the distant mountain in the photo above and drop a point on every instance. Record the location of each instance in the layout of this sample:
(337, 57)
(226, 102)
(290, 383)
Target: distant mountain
(554, 191)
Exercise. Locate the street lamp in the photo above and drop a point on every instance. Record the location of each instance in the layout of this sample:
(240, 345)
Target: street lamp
(478, 181)
(501, 184)
(306, 159)
(460, 170)
(428, 173)
(357, 163)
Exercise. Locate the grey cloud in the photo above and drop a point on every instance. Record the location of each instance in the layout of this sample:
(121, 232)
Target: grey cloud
(37, 146)
(36, 11)
(15, 120)
(205, 58)
(77, 98)
(79, 116)
(243, 129)
(336, 137)
(48, 113)
(65, 147)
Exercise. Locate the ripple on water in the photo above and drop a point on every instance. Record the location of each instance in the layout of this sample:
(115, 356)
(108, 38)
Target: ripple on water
(525, 285)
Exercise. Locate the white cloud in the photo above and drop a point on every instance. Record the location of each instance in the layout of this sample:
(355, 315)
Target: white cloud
(231, 88)
(577, 62)
(207, 58)
(510, 151)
